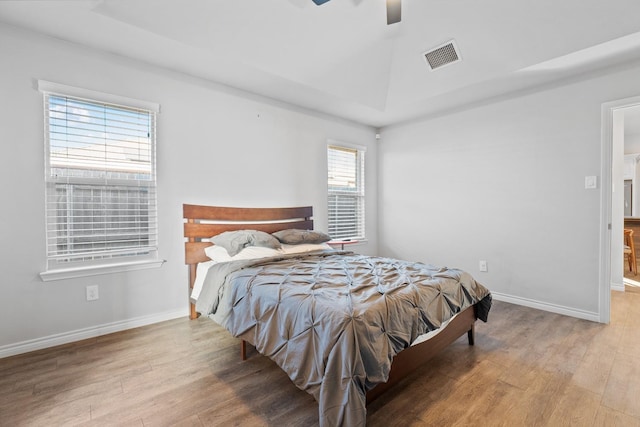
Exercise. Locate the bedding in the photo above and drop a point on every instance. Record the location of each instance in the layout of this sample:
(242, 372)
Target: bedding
(334, 320)
(425, 337)
(201, 272)
(219, 254)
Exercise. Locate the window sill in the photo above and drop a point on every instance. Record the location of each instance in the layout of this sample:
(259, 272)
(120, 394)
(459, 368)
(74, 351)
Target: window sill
(95, 270)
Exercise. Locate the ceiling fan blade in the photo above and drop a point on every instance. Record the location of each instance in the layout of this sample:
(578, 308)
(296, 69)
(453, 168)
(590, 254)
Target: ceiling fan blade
(394, 11)
(319, 2)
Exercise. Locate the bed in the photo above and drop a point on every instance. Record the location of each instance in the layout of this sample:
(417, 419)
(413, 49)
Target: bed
(282, 305)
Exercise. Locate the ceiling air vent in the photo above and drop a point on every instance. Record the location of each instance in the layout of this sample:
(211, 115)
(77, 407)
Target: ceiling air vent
(442, 55)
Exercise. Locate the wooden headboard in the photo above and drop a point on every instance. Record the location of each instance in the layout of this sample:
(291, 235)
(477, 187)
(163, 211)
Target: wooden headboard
(204, 222)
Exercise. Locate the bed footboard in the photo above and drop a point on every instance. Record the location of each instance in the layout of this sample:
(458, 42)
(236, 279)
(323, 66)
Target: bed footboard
(411, 358)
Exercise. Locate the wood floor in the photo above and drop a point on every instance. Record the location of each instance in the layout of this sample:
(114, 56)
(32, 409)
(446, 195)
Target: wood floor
(528, 368)
(628, 274)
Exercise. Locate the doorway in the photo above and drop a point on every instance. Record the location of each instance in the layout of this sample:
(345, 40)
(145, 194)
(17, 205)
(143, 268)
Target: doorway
(612, 200)
(631, 172)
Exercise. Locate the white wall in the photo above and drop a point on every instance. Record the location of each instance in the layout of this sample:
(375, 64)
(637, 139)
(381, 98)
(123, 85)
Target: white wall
(504, 182)
(216, 146)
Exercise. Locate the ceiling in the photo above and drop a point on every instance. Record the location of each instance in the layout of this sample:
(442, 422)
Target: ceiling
(341, 58)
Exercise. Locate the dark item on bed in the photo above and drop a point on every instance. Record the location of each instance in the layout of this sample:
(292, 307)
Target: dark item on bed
(405, 361)
(292, 236)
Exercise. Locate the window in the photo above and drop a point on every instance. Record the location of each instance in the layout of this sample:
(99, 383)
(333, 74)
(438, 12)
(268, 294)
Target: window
(100, 180)
(346, 192)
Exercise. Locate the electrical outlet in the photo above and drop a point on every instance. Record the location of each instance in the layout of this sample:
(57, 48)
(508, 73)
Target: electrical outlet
(483, 266)
(92, 293)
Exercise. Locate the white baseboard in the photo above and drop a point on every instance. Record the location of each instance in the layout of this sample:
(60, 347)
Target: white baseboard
(95, 331)
(553, 308)
(82, 334)
(617, 286)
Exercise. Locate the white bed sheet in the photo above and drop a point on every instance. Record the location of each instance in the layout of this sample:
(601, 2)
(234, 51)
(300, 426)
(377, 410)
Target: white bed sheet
(201, 272)
(429, 335)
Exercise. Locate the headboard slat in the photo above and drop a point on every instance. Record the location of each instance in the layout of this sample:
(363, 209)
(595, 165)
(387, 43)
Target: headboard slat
(204, 231)
(194, 252)
(221, 213)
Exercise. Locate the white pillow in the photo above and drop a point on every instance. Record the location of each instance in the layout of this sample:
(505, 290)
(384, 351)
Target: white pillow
(304, 247)
(217, 253)
(220, 254)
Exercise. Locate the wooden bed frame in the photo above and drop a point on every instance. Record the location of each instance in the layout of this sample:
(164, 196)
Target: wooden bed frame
(203, 222)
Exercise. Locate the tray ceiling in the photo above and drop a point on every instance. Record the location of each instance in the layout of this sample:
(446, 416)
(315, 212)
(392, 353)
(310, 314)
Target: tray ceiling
(341, 58)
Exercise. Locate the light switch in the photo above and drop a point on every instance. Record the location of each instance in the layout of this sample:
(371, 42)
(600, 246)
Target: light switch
(590, 182)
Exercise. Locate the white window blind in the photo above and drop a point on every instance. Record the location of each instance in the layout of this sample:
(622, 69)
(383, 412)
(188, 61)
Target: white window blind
(346, 192)
(100, 182)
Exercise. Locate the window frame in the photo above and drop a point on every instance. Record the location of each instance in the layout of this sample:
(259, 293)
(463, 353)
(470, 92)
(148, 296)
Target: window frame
(359, 194)
(109, 262)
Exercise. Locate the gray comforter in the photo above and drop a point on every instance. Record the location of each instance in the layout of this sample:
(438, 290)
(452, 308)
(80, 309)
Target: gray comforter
(333, 321)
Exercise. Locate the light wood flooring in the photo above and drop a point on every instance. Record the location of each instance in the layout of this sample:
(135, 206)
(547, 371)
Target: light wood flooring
(628, 274)
(528, 368)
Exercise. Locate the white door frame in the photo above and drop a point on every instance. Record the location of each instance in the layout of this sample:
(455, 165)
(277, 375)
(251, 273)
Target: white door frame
(608, 110)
